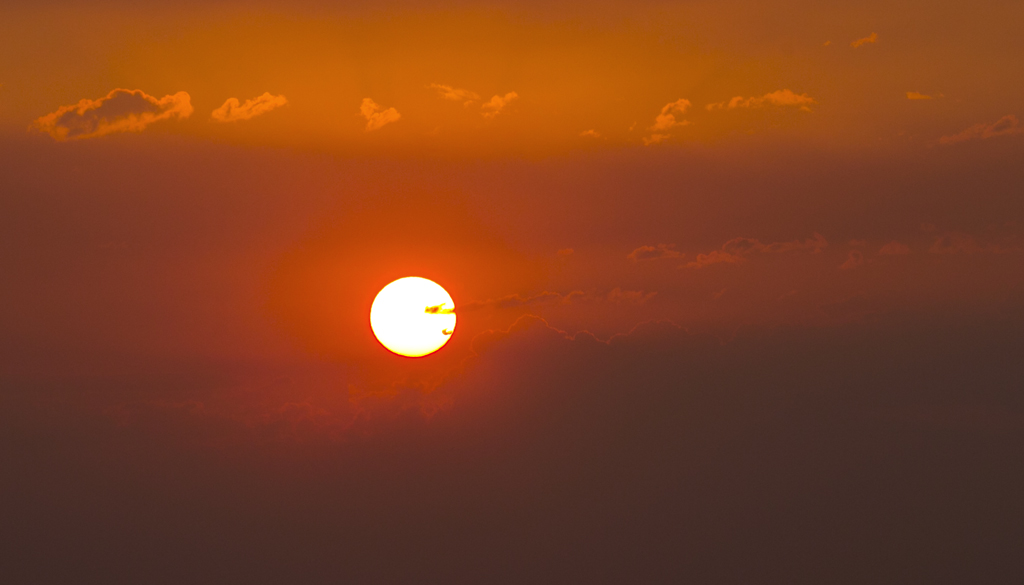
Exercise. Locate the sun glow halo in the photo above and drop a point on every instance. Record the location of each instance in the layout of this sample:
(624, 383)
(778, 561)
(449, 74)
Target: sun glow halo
(413, 316)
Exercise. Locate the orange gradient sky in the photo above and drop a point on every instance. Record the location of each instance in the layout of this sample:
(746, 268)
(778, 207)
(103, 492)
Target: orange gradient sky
(814, 208)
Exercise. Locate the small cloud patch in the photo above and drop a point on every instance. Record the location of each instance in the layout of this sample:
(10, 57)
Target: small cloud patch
(121, 110)
(376, 116)
(497, 104)
(871, 38)
(781, 98)
(233, 111)
(455, 94)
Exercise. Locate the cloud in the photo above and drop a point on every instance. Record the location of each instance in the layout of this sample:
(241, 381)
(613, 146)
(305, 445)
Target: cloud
(497, 104)
(655, 139)
(666, 119)
(376, 117)
(868, 39)
(714, 257)
(455, 94)
(232, 111)
(644, 253)
(639, 297)
(749, 245)
(513, 301)
(782, 97)
(769, 448)
(894, 248)
(737, 250)
(913, 95)
(121, 110)
(590, 133)
(1008, 125)
(957, 243)
(853, 260)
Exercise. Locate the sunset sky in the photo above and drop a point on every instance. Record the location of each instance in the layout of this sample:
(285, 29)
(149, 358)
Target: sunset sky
(739, 285)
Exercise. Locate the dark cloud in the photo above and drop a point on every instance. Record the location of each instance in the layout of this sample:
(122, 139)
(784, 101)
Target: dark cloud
(779, 456)
(1008, 125)
(854, 259)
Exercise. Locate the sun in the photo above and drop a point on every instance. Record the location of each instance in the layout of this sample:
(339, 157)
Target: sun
(413, 316)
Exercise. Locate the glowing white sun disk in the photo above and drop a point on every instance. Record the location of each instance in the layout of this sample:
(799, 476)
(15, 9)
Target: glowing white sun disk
(413, 316)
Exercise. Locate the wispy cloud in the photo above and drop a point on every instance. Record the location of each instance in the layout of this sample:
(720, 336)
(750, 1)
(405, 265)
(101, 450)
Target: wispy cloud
(644, 253)
(1006, 126)
(513, 301)
(497, 104)
(455, 94)
(233, 111)
(854, 259)
(714, 257)
(655, 139)
(782, 97)
(913, 95)
(639, 297)
(590, 134)
(737, 250)
(376, 116)
(665, 120)
(894, 248)
(871, 38)
(961, 243)
(121, 110)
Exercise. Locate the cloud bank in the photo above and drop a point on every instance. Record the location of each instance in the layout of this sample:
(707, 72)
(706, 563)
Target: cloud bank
(232, 111)
(121, 110)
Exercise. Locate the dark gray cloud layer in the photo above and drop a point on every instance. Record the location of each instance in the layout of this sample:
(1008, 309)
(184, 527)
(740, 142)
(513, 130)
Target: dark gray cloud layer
(883, 454)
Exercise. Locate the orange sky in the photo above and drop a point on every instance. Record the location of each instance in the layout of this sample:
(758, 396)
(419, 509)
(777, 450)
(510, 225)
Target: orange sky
(199, 201)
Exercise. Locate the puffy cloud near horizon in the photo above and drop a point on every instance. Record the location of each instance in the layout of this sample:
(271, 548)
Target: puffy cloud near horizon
(121, 110)
(782, 97)
(497, 103)
(871, 38)
(233, 111)
(455, 94)
(376, 116)
(1008, 125)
